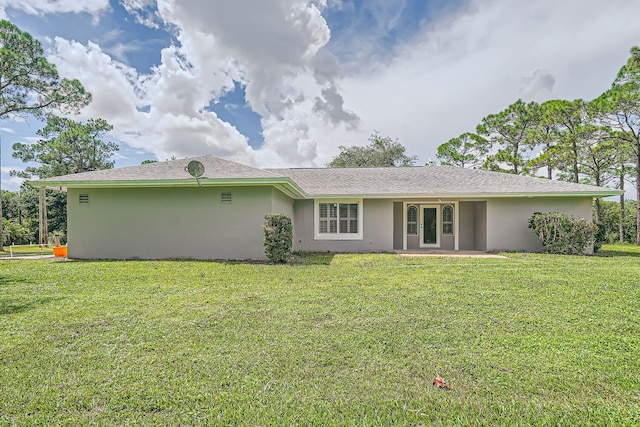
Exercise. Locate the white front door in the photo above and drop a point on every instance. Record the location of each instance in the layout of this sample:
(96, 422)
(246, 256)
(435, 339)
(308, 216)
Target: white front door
(429, 226)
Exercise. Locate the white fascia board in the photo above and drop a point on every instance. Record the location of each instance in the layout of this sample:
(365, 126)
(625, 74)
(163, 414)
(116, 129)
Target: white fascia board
(285, 185)
(456, 196)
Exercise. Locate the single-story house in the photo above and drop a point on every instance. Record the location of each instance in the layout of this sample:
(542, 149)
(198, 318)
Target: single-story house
(159, 210)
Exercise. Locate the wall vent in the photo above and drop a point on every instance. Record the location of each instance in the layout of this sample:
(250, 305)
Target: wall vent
(83, 199)
(225, 198)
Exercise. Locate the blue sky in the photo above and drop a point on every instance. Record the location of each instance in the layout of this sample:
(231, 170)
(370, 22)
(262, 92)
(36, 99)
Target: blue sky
(285, 82)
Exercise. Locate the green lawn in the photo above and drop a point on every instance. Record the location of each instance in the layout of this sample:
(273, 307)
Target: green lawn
(332, 340)
(26, 250)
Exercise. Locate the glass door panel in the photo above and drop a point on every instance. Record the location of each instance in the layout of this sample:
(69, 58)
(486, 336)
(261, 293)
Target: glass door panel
(430, 226)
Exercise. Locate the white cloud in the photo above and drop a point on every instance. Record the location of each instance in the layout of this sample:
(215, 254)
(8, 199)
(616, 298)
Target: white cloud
(435, 86)
(276, 52)
(161, 113)
(474, 64)
(143, 10)
(40, 7)
(269, 50)
(115, 87)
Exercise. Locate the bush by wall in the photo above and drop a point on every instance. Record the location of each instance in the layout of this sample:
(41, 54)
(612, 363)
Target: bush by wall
(561, 234)
(278, 237)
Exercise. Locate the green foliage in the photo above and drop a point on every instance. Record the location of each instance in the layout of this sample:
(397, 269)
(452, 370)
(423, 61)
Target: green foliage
(21, 209)
(561, 234)
(67, 147)
(466, 151)
(382, 151)
(510, 131)
(600, 237)
(620, 108)
(610, 219)
(278, 237)
(30, 83)
(528, 340)
(61, 234)
(10, 205)
(13, 233)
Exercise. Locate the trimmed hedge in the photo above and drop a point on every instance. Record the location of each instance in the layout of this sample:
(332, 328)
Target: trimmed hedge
(278, 237)
(561, 234)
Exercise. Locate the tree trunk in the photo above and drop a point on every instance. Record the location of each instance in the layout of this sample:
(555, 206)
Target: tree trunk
(1, 236)
(622, 211)
(598, 206)
(549, 166)
(638, 198)
(576, 174)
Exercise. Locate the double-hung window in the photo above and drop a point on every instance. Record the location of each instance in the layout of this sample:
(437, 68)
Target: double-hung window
(412, 220)
(338, 219)
(447, 220)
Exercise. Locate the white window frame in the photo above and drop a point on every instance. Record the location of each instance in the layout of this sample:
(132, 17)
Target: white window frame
(452, 222)
(416, 222)
(337, 236)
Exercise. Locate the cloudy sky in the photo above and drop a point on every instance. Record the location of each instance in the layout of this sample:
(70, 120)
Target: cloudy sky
(285, 82)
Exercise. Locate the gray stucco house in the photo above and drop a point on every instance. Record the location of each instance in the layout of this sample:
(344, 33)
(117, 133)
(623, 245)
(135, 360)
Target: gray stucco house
(158, 210)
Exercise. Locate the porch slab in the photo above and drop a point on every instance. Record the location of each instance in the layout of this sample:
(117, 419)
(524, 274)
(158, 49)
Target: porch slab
(444, 253)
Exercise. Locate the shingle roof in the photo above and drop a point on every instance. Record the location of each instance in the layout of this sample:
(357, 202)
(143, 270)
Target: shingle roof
(214, 168)
(431, 181)
(425, 180)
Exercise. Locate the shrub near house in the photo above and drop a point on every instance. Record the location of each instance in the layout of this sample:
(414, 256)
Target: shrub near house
(278, 237)
(561, 234)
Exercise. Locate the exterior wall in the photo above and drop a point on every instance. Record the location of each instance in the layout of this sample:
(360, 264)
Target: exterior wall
(157, 223)
(480, 226)
(281, 203)
(466, 240)
(507, 220)
(473, 226)
(377, 232)
(447, 243)
(397, 225)
(413, 242)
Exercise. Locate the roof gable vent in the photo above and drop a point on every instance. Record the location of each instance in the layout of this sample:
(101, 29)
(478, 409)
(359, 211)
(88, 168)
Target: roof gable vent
(83, 199)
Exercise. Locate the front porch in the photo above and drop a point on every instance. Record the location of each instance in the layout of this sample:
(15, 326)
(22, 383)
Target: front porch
(440, 225)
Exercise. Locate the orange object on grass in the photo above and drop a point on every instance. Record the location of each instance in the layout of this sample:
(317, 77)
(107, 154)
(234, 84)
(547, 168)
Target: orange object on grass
(60, 251)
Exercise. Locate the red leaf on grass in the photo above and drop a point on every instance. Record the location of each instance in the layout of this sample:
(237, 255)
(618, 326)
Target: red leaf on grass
(439, 382)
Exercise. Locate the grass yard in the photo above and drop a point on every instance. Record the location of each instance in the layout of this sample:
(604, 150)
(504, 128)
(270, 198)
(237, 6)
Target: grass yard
(26, 250)
(336, 340)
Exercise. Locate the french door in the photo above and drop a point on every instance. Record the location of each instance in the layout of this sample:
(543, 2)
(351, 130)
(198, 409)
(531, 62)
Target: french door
(429, 226)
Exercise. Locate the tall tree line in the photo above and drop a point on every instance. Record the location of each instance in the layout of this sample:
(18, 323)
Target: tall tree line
(31, 87)
(593, 142)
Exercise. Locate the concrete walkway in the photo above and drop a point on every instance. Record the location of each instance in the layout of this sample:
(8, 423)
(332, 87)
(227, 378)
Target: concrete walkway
(20, 257)
(442, 253)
